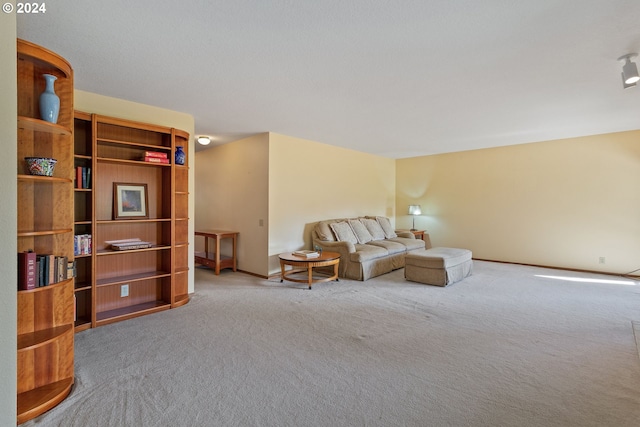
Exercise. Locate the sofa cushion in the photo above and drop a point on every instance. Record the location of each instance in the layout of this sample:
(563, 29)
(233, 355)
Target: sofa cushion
(377, 233)
(343, 232)
(323, 231)
(390, 246)
(409, 243)
(360, 231)
(384, 222)
(367, 252)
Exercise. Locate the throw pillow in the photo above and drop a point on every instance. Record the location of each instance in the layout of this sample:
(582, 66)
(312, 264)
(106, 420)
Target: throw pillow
(343, 232)
(377, 233)
(360, 231)
(384, 222)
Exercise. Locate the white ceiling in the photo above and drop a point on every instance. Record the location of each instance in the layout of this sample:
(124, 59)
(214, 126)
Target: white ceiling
(394, 78)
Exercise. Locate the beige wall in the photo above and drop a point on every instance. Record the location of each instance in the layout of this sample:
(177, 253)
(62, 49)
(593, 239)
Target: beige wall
(232, 193)
(288, 183)
(310, 181)
(562, 203)
(114, 107)
(8, 221)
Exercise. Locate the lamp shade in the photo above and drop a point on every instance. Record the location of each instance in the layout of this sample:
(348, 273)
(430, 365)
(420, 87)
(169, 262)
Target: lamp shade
(415, 210)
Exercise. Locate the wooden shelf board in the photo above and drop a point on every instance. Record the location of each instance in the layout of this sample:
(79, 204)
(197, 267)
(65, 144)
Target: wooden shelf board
(128, 221)
(38, 125)
(82, 156)
(181, 300)
(153, 248)
(39, 400)
(40, 338)
(110, 316)
(132, 278)
(43, 232)
(82, 190)
(82, 325)
(41, 55)
(132, 162)
(83, 287)
(43, 178)
(46, 288)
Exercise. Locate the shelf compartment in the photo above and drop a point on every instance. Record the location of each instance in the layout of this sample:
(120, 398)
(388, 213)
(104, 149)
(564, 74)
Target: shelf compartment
(39, 400)
(116, 315)
(131, 278)
(36, 339)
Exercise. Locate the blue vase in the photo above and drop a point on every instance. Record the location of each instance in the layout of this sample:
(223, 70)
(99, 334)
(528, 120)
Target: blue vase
(49, 101)
(180, 156)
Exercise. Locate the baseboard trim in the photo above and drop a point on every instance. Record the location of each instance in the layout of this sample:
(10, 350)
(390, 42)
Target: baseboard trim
(578, 270)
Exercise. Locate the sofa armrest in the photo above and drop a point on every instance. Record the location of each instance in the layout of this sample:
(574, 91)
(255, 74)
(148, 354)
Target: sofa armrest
(405, 234)
(343, 248)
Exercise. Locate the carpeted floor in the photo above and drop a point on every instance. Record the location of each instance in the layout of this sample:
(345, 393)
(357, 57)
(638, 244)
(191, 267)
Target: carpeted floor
(504, 347)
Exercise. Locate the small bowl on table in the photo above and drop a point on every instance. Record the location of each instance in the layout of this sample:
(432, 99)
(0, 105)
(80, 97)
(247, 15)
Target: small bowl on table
(42, 166)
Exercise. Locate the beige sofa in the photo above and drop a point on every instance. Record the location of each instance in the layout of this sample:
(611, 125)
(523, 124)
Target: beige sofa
(368, 246)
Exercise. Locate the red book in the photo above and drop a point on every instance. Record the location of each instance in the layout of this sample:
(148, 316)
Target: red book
(155, 154)
(156, 160)
(26, 270)
(78, 177)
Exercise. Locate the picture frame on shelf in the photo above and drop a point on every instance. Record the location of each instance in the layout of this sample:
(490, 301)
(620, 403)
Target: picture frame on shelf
(130, 201)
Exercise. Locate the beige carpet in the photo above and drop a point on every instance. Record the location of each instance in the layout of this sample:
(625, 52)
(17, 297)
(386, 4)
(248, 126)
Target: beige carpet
(504, 347)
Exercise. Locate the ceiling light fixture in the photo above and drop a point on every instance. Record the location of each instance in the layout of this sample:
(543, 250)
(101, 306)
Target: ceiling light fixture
(204, 140)
(629, 70)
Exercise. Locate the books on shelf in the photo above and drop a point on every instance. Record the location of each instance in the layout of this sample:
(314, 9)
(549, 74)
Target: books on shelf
(156, 157)
(83, 177)
(26, 270)
(37, 270)
(128, 244)
(306, 254)
(82, 244)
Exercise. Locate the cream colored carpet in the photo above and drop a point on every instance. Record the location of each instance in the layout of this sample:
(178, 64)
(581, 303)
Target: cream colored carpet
(504, 347)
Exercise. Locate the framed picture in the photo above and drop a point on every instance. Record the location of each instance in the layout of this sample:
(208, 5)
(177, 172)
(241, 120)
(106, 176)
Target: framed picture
(130, 201)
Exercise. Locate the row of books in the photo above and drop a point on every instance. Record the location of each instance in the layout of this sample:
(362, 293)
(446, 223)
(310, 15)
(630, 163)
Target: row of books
(82, 244)
(155, 157)
(83, 177)
(35, 270)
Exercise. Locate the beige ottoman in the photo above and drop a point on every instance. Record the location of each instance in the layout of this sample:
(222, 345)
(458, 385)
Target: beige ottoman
(438, 266)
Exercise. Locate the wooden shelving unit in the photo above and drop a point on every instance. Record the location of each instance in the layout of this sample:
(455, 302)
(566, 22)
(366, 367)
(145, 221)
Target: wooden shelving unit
(45, 225)
(156, 277)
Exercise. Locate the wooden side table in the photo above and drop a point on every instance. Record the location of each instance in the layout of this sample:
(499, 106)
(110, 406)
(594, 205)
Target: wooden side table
(217, 261)
(302, 264)
(418, 233)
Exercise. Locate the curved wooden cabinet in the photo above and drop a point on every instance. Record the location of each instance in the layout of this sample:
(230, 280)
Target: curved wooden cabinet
(45, 225)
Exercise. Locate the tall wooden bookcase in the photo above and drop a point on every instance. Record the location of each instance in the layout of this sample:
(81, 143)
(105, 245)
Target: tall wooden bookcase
(117, 285)
(45, 225)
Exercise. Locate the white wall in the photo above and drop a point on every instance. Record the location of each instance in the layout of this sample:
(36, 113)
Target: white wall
(232, 194)
(98, 104)
(311, 181)
(563, 203)
(8, 220)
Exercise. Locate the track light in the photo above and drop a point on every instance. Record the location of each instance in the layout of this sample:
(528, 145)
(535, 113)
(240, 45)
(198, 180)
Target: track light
(204, 140)
(629, 70)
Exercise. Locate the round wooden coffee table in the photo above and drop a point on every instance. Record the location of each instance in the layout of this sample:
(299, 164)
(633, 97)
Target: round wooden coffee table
(300, 264)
